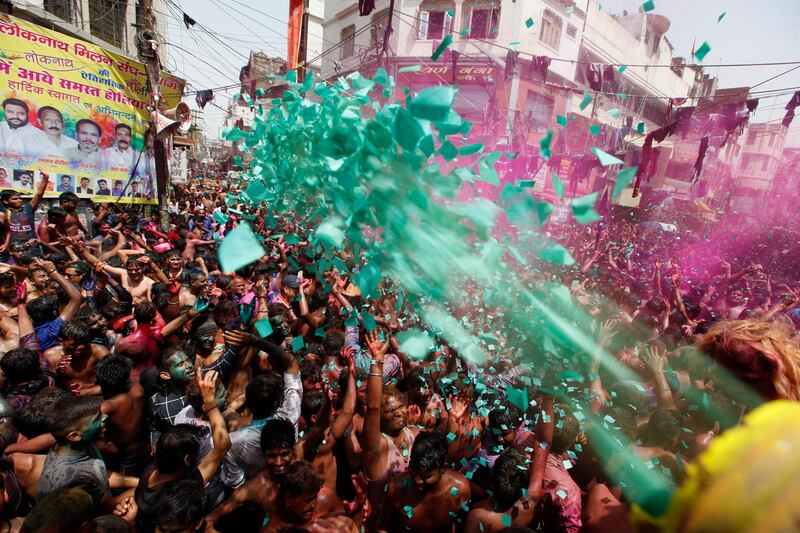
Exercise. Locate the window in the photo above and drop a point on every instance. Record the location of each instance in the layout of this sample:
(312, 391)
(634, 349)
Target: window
(751, 138)
(379, 22)
(764, 163)
(348, 39)
(482, 18)
(540, 108)
(771, 139)
(108, 21)
(434, 22)
(550, 34)
(63, 9)
(572, 31)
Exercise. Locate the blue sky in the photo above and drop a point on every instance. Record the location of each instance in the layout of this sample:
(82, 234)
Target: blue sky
(751, 32)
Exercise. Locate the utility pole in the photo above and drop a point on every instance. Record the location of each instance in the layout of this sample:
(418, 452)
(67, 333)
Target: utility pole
(302, 51)
(148, 53)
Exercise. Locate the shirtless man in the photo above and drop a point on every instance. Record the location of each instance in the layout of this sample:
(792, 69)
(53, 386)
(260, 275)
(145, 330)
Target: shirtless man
(385, 441)
(511, 506)
(428, 496)
(132, 276)
(123, 403)
(74, 358)
(298, 503)
(317, 444)
(72, 224)
(277, 444)
(174, 264)
(198, 288)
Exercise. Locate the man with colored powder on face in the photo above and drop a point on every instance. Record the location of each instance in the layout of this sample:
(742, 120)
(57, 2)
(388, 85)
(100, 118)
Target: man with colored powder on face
(175, 372)
(428, 496)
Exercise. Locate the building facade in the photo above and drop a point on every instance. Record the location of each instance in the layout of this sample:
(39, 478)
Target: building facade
(762, 158)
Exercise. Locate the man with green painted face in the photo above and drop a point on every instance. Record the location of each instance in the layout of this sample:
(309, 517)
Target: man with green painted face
(76, 424)
(175, 372)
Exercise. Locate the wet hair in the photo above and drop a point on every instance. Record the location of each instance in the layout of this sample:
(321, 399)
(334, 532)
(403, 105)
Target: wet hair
(332, 343)
(144, 312)
(20, 365)
(163, 359)
(263, 394)
(77, 331)
(510, 477)
(565, 432)
(56, 212)
(68, 197)
(310, 370)
(503, 418)
(66, 509)
(182, 503)
(7, 194)
(109, 523)
(81, 267)
(34, 419)
(277, 433)
(8, 278)
(176, 443)
(301, 478)
(113, 374)
(60, 257)
(664, 428)
(42, 309)
(115, 309)
(313, 401)
(429, 453)
(68, 412)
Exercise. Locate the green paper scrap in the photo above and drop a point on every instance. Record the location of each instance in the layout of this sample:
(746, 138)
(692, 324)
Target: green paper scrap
(587, 99)
(412, 68)
(237, 160)
(239, 248)
(298, 344)
(529, 23)
(526, 184)
(544, 145)
(614, 112)
(381, 77)
(556, 254)
(621, 69)
(257, 191)
(369, 322)
(595, 129)
(517, 397)
(722, 16)
(264, 328)
(451, 13)
(433, 103)
(562, 120)
(640, 127)
(583, 209)
(220, 217)
(703, 51)
(453, 491)
(416, 343)
(330, 232)
(558, 186)
(568, 10)
(624, 177)
(368, 279)
(515, 43)
(446, 42)
(648, 6)
(605, 158)
(448, 151)
(470, 149)
(506, 520)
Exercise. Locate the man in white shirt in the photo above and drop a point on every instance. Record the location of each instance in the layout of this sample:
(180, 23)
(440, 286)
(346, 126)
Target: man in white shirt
(88, 133)
(121, 154)
(16, 135)
(51, 142)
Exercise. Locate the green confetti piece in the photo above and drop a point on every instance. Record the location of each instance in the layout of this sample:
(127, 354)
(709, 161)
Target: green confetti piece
(556, 254)
(544, 145)
(368, 279)
(587, 99)
(595, 129)
(562, 120)
(257, 191)
(453, 491)
(239, 248)
(722, 16)
(298, 344)
(412, 68)
(505, 520)
(433, 103)
(369, 322)
(446, 42)
(526, 184)
(703, 51)
(381, 77)
(561, 494)
(605, 158)
(622, 96)
(614, 112)
(558, 186)
(451, 13)
(517, 397)
(448, 151)
(470, 149)
(330, 232)
(407, 129)
(624, 177)
(640, 127)
(621, 69)
(264, 328)
(529, 23)
(583, 209)
(220, 217)
(648, 6)
(237, 160)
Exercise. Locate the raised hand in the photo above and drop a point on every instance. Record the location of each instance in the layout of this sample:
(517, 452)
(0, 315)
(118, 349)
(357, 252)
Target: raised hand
(377, 347)
(207, 383)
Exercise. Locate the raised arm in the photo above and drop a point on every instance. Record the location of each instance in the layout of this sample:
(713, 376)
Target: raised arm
(219, 429)
(37, 198)
(655, 363)
(371, 434)
(345, 416)
(72, 292)
(544, 439)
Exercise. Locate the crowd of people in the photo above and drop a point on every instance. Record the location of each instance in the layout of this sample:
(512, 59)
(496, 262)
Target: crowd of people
(145, 390)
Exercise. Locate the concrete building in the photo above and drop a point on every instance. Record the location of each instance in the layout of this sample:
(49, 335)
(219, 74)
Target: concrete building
(762, 155)
(316, 44)
(112, 24)
(257, 76)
